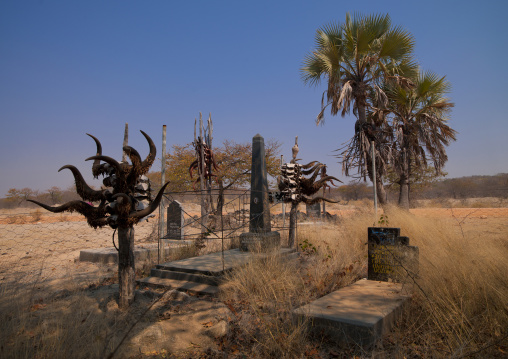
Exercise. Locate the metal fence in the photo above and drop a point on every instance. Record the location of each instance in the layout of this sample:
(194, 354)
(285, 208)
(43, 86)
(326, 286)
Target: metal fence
(218, 229)
(40, 247)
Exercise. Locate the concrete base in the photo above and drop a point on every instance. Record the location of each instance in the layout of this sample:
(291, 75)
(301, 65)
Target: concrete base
(202, 275)
(215, 264)
(360, 313)
(259, 242)
(141, 252)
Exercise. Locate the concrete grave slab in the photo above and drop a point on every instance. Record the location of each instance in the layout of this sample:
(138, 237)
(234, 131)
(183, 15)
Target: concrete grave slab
(211, 264)
(360, 313)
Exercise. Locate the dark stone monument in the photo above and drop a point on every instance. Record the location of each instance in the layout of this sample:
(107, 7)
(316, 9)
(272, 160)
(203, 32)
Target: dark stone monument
(175, 221)
(313, 210)
(260, 236)
(390, 257)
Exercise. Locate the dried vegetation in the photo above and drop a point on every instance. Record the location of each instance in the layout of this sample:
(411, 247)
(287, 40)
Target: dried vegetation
(458, 308)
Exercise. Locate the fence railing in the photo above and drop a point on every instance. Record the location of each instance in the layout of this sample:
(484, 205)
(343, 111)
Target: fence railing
(37, 246)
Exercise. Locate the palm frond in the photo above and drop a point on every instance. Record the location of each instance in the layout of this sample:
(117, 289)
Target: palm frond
(346, 96)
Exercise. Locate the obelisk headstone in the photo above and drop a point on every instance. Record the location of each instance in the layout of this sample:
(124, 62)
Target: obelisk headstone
(260, 236)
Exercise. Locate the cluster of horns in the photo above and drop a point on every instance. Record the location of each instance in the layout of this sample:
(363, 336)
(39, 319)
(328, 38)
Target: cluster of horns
(303, 187)
(120, 200)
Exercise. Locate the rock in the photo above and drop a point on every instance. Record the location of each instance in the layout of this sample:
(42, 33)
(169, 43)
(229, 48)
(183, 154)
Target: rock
(177, 296)
(149, 336)
(218, 330)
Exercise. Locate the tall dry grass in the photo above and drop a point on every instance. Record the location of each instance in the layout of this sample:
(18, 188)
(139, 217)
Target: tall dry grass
(74, 322)
(42, 327)
(263, 293)
(459, 306)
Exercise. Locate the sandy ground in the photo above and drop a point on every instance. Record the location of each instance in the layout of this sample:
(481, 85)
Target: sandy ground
(49, 247)
(45, 245)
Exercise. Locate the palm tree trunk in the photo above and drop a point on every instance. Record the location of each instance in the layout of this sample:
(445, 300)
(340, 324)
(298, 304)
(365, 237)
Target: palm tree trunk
(380, 188)
(404, 175)
(126, 269)
(404, 193)
(381, 193)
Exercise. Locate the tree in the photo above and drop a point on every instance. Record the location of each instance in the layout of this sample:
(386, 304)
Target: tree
(420, 179)
(55, 194)
(18, 196)
(354, 190)
(356, 58)
(234, 162)
(421, 131)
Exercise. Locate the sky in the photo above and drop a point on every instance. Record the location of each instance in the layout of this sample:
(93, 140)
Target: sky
(68, 68)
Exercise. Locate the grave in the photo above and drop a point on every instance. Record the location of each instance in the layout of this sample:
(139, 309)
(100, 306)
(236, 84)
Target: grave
(175, 221)
(313, 210)
(203, 275)
(366, 310)
(260, 235)
(390, 257)
(357, 314)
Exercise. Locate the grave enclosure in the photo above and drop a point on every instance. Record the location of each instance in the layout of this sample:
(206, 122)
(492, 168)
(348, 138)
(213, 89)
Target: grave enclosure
(360, 313)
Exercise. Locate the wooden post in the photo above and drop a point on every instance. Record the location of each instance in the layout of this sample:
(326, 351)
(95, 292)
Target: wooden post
(125, 142)
(324, 202)
(204, 207)
(283, 204)
(209, 138)
(293, 214)
(126, 268)
(161, 207)
(374, 179)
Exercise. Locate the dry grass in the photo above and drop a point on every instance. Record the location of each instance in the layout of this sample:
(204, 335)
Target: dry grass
(458, 308)
(263, 293)
(481, 202)
(36, 216)
(38, 327)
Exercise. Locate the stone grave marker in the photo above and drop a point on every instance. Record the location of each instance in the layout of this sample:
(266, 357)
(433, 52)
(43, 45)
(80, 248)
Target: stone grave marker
(390, 256)
(313, 210)
(175, 221)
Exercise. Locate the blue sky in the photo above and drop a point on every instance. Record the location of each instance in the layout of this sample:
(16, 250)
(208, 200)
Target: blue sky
(73, 67)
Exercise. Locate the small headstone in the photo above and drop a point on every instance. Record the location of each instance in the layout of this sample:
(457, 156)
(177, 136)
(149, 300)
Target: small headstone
(390, 257)
(313, 210)
(175, 221)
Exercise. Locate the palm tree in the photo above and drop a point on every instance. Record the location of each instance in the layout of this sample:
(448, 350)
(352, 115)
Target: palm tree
(356, 58)
(420, 127)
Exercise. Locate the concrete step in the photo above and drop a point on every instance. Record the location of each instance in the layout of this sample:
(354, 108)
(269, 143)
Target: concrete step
(180, 285)
(179, 266)
(191, 277)
(360, 313)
